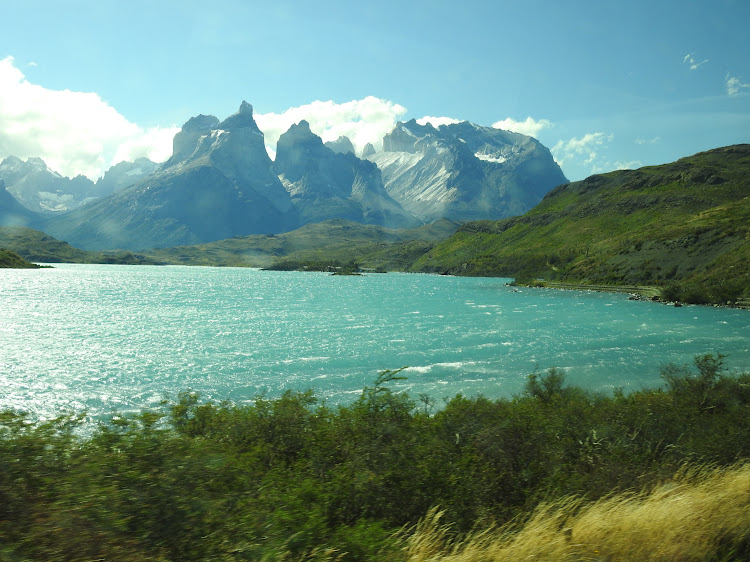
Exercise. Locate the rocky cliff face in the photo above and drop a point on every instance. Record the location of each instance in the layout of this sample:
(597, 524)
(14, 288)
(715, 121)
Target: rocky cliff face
(324, 184)
(465, 172)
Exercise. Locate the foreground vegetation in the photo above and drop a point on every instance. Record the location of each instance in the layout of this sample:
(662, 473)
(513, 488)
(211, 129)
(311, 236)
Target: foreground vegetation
(293, 478)
(703, 513)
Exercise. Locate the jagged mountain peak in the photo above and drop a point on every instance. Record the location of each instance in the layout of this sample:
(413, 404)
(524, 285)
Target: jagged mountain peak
(464, 171)
(243, 119)
(200, 123)
(204, 136)
(341, 145)
(368, 150)
(33, 164)
(300, 131)
(220, 182)
(299, 144)
(324, 183)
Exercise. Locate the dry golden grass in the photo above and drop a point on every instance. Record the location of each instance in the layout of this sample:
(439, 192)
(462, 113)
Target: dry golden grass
(702, 514)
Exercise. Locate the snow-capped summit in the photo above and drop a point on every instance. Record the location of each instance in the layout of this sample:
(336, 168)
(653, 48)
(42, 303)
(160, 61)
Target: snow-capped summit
(464, 171)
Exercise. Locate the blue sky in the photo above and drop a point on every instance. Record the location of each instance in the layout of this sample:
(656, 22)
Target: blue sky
(603, 84)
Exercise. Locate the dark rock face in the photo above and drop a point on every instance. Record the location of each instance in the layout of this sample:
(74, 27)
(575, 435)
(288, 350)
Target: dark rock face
(186, 140)
(465, 172)
(12, 213)
(324, 184)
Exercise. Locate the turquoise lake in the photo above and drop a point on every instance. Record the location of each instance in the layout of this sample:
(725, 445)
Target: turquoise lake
(122, 338)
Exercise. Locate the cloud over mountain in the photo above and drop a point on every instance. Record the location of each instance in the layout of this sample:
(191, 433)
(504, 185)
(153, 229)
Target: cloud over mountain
(528, 126)
(437, 121)
(363, 121)
(73, 132)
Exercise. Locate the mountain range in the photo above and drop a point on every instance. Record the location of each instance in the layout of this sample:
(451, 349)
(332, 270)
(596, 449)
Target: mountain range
(42, 190)
(220, 182)
(679, 230)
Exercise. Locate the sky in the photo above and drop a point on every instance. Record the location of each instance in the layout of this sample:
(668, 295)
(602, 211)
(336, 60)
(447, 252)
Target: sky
(604, 84)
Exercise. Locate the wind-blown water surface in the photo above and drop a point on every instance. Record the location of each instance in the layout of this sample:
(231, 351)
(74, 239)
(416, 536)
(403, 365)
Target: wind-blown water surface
(105, 338)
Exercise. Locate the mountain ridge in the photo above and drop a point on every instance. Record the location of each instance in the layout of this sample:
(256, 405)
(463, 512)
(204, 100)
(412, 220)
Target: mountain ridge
(220, 182)
(464, 171)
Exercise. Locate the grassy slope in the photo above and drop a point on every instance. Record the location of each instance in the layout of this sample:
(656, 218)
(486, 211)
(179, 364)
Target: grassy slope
(37, 246)
(330, 241)
(10, 259)
(688, 221)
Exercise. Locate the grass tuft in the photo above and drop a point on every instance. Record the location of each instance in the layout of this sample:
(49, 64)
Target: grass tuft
(703, 513)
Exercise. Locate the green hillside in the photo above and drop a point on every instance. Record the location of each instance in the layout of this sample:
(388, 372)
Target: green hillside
(10, 259)
(37, 246)
(684, 227)
(314, 245)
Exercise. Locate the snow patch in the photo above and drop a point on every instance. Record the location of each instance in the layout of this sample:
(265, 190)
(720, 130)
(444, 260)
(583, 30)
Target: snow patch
(496, 158)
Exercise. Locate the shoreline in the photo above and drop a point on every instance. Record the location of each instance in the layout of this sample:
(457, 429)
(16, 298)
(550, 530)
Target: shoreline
(639, 292)
(644, 292)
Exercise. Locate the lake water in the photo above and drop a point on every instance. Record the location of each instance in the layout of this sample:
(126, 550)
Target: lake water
(122, 338)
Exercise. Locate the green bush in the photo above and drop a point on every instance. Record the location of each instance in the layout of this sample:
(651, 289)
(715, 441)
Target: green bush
(290, 478)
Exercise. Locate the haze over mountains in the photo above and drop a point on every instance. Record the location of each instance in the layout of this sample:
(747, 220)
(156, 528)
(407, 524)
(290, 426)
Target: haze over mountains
(220, 182)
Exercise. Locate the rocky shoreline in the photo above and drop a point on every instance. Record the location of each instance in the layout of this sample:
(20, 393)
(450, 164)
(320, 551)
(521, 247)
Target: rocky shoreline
(636, 292)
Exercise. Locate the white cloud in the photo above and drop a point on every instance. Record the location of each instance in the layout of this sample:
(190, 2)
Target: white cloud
(437, 121)
(363, 121)
(584, 149)
(735, 85)
(73, 132)
(627, 165)
(529, 126)
(154, 143)
(690, 60)
(641, 140)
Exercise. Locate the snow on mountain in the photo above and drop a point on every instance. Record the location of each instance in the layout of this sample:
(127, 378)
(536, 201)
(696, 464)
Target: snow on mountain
(463, 171)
